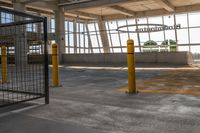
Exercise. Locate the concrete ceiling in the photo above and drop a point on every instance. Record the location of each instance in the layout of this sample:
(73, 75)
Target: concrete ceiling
(92, 9)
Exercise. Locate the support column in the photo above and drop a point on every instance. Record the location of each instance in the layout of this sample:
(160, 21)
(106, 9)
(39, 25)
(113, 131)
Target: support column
(90, 49)
(50, 35)
(48, 24)
(60, 31)
(21, 46)
(75, 35)
(39, 33)
(104, 37)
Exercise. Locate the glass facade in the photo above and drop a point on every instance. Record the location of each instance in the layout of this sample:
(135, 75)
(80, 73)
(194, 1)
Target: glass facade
(86, 38)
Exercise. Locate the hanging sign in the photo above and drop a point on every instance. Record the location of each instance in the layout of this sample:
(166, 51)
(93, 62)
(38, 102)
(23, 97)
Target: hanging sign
(142, 28)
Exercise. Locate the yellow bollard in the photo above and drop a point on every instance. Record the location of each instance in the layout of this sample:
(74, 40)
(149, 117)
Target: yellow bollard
(4, 64)
(131, 67)
(55, 65)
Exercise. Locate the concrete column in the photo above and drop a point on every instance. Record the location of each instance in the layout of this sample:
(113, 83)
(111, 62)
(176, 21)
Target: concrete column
(60, 32)
(21, 46)
(39, 32)
(50, 35)
(39, 26)
(75, 36)
(89, 39)
(48, 24)
(104, 36)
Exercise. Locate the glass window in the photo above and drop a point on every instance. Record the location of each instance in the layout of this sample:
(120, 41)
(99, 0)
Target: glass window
(121, 23)
(169, 20)
(124, 38)
(71, 39)
(170, 34)
(142, 21)
(194, 19)
(6, 17)
(144, 37)
(94, 41)
(112, 26)
(194, 35)
(117, 50)
(115, 40)
(155, 20)
(134, 37)
(157, 36)
(183, 48)
(52, 25)
(182, 20)
(182, 36)
(195, 49)
(131, 21)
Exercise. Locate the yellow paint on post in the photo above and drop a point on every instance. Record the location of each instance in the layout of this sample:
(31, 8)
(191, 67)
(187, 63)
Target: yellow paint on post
(4, 70)
(131, 67)
(55, 77)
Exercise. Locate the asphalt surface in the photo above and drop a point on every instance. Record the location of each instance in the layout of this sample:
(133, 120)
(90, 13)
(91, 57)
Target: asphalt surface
(90, 101)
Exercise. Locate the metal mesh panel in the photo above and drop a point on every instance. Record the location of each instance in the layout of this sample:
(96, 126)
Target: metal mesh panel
(25, 38)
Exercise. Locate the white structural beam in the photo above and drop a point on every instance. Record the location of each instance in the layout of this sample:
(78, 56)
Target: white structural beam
(123, 10)
(166, 5)
(90, 15)
(31, 1)
(90, 49)
(104, 36)
(94, 3)
(75, 35)
(26, 1)
(156, 12)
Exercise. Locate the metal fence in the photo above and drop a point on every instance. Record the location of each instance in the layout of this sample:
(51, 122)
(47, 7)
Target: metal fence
(21, 80)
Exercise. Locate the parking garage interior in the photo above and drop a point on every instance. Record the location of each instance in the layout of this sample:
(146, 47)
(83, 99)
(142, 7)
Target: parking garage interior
(99, 66)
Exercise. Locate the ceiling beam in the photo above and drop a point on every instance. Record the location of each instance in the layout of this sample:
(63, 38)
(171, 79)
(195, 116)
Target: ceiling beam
(32, 1)
(36, 10)
(84, 14)
(29, 1)
(25, 1)
(94, 3)
(69, 17)
(5, 4)
(123, 10)
(166, 5)
(156, 12)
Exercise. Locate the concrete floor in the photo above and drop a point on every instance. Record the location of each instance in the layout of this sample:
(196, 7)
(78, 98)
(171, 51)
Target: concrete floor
(93, 100)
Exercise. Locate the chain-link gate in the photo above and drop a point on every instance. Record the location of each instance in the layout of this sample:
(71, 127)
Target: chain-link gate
(24, 57)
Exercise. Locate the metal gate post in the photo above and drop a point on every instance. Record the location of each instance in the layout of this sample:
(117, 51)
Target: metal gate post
(46, 62)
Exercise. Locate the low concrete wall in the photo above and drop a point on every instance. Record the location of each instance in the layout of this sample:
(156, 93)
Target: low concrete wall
(32, 59)
(182, 58)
